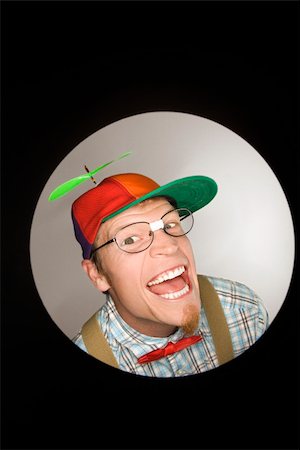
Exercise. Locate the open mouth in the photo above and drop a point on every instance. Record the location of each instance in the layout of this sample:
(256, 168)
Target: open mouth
(171, 284)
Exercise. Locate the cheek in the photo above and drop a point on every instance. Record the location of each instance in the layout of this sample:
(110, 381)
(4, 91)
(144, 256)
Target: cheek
(125, 270)
(187, 249)
(127, 288)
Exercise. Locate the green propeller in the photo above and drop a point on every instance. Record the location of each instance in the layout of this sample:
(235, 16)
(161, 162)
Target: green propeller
(66, 187)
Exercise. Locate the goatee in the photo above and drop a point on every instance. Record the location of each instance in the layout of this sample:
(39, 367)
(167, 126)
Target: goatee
(190, 320)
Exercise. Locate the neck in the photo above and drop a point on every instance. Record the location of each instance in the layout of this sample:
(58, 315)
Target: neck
(144, 326)
(150, 328)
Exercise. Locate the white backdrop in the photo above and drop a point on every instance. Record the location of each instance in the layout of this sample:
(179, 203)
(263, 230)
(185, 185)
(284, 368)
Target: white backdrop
(245, 234)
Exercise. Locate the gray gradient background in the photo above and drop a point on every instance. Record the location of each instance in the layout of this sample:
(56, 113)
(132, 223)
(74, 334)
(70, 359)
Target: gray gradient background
(245, 234)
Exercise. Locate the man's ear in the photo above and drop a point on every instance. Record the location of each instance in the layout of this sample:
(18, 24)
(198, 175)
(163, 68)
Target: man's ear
(99, 280)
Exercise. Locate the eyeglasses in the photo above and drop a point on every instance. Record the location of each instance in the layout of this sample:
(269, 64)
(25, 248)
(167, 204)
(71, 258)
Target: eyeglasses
(138, 236)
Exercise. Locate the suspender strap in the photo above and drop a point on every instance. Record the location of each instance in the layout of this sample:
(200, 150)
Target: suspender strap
(98, 346)
(96, 343)
(216, 320)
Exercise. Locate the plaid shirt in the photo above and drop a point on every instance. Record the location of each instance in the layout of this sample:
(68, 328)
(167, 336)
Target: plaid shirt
(246, 317)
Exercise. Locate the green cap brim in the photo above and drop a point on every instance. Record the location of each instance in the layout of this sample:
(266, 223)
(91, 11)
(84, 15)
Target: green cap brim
(193, 193)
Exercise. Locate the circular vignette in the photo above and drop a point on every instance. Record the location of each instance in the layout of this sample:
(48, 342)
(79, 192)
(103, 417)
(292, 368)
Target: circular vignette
(245, 234)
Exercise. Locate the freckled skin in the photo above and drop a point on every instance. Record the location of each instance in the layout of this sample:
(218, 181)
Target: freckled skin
(126, 275)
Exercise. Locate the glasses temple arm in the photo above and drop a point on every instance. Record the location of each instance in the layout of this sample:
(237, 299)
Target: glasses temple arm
(103, 245)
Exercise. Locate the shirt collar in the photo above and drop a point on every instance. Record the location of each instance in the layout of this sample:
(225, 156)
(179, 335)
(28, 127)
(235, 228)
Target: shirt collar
(128, 337)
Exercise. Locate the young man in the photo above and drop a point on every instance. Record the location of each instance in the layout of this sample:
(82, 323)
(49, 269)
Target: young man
(159, 319)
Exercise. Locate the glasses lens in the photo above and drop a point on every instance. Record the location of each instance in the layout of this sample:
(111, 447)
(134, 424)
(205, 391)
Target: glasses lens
(134, 238)
(178, 222)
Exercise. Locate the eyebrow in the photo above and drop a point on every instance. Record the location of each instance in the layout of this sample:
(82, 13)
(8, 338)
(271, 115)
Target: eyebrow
(128, 225)
(138, 221)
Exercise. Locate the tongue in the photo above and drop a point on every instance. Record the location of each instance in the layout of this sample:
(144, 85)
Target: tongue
(169, 286)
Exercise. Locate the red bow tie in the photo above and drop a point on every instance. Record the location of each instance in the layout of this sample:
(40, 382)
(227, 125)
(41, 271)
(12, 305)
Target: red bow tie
(169, 349)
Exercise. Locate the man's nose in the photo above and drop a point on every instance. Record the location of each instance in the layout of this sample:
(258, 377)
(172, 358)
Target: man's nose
(163, 244)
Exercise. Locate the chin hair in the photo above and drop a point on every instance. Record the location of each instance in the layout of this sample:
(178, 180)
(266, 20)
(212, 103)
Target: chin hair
(190, 319)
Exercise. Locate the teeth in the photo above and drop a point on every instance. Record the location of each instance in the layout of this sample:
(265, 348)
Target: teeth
(176, 294)
(167, 275)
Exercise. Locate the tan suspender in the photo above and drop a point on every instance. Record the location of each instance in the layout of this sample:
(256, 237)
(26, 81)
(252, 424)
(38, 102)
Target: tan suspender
(98, 346)
(216, 320)
(96, 342)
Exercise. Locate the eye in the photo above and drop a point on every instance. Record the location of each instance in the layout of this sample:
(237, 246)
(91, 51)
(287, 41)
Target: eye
(129, 240)
(170, 225)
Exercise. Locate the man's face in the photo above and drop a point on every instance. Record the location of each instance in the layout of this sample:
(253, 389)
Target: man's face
(152, 309)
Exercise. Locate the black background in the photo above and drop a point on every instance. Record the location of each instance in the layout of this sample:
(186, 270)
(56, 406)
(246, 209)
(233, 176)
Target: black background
(68, 69)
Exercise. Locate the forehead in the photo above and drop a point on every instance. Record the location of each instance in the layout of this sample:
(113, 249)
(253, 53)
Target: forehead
(147, 210)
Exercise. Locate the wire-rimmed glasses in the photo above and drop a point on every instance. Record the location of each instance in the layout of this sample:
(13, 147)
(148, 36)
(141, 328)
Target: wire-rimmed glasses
(137, 237)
